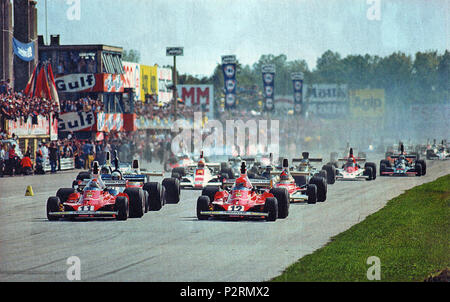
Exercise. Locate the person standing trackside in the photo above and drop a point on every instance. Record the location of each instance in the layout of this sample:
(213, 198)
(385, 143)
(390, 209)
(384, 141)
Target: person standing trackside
(53, 157)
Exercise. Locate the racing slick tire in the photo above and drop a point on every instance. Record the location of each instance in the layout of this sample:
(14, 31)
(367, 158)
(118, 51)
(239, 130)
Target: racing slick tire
(210, 192)
(300, 180)
(84, 175)
(178, 170)
(282, 196)
(429, 154)
(311, 192)
(53, 205)
(385, 162)
(418, 168)
(334, 164)
(374, 169)
(146, 198)
(324, 174)
(121, 206)
(136, 202)
(155, 196)
(64, 193)
(271, 207)
(424, 166)
(331, 174)
(228, 171)
(382, 168)
(368, 171)
(172, 190)
(203, 204)
(321, 184)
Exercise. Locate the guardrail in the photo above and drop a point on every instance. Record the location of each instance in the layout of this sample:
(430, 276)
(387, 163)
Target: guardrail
(66, 164)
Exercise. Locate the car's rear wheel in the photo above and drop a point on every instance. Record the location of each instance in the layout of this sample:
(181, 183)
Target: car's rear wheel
(172, 190)
(282, 196)
(321, 184)
(64, 194)
(271, 208)
(331, 174)
(374, 169)
(53, 205)
(146, 198)
(418, 169)
(155, 197)
(203, 204)
(368, 171)
(121, 207)
(210, 192)
(424, 166)
(311, 192)
(136, 204)
(83, 175)
(179, 172)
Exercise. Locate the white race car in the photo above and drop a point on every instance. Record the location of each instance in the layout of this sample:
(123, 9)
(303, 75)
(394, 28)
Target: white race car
(199, 176)
(351, 170)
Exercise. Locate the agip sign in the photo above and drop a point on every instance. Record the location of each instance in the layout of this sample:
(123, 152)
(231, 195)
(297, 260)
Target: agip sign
(367, 102)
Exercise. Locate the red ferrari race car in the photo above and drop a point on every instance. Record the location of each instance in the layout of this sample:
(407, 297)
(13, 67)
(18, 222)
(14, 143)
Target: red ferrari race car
(297, 192)
(96, 198)
(243, 198)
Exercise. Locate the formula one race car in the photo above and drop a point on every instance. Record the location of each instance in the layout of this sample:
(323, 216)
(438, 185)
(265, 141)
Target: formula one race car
(297, 192)
(436, 151)
(198, 176)
(176, 162)
(403, 165)
(243, 198)
(156, 193)
(351, 170)
(97, 198)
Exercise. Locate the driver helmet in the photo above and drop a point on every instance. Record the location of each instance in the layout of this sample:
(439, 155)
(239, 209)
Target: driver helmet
(241, 182)
(201, 163)
(93, 184)
(304, 162)
(284, 175)
(401, 157)
(116, 175)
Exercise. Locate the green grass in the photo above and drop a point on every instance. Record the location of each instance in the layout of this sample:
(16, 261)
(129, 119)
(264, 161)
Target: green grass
(410, 235)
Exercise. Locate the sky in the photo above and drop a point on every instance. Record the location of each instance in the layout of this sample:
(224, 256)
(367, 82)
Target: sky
(208, 29)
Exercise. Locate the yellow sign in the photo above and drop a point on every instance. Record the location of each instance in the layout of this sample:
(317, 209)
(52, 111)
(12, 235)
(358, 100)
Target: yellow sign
(367, 102)
(149, 80)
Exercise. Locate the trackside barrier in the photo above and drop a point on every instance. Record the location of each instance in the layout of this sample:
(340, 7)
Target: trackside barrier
(66, 164)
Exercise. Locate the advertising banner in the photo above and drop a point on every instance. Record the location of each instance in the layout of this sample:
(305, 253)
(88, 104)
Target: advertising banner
(132, 77)
(149, 81)
(366, 102)
(327, 100)
(76, 121)
(202, 95)
(229, 78)
(107, 122)
(26, 128)
(268, 76)
(25, 51)
(164, 79)
(297, 83)
(89, 82)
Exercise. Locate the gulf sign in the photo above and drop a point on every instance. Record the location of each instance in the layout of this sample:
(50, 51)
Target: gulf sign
(89, 82)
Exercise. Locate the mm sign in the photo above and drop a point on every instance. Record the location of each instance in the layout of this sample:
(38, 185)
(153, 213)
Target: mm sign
(367, 102)
(174, 51)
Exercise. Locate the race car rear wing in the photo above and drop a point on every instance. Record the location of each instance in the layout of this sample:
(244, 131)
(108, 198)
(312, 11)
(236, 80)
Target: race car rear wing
(292, 173)
(108, 183)
(360, 159)
(406, 156)
(257, 183)
(317, 160)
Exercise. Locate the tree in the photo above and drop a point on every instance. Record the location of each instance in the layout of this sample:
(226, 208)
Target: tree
(131, 55)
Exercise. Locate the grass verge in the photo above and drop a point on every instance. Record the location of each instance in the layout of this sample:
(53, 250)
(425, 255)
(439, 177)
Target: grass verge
(410, 236)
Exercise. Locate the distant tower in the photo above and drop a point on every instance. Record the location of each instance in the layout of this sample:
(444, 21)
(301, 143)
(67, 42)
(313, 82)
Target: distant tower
(6, 52)
(25, 30)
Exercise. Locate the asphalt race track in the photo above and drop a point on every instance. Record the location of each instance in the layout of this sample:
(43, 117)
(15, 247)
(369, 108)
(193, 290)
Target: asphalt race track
(172, 245)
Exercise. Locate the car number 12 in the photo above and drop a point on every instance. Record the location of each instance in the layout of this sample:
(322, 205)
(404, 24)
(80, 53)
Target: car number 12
(235, 208)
